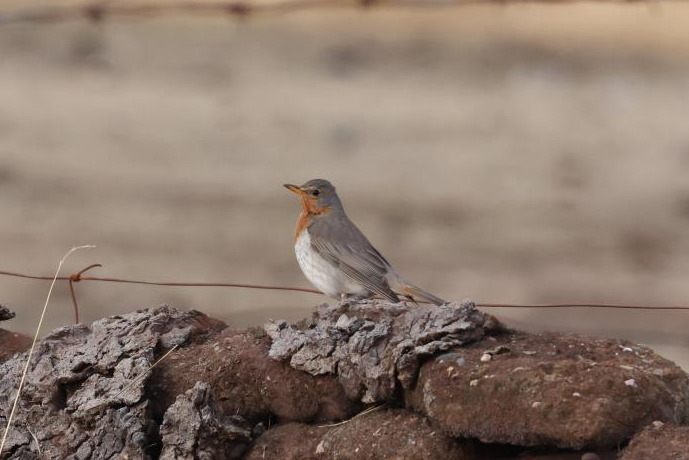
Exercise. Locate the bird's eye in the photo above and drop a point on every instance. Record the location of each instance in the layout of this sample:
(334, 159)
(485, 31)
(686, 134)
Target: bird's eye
(315, 193)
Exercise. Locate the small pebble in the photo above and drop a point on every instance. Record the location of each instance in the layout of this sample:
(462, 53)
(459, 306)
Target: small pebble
(473, 383)
(486, 357)
(626, 349)
(657, 424)
(630, 383)
(342, 321)
(590, 456)
(320, 448)
(536, 405)
(576, 394)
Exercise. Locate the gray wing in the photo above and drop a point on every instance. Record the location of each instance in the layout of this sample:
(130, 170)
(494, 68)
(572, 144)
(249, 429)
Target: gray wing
(342, 244)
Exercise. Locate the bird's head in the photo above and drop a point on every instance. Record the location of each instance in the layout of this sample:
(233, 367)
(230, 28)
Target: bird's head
(317, 196)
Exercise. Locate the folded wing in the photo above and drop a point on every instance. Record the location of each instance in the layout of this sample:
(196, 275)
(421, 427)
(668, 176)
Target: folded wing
(353, 254)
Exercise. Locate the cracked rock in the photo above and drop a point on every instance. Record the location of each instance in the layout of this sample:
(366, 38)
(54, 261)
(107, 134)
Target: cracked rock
(84, 391)
(193, 429)
(373, 346)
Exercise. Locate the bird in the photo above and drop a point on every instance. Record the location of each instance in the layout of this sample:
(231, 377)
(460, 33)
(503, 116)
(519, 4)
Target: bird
(337, 258)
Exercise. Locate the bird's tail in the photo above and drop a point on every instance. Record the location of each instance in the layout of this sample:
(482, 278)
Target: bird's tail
(409, 290)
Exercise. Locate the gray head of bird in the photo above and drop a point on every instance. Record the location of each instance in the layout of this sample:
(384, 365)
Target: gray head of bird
(317, 196)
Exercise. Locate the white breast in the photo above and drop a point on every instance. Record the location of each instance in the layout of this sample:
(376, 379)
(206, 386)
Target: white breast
(324, 276)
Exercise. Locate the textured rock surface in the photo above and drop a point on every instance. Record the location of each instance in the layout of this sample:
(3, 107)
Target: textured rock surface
(246, 381)
(663, 442)
(194, 430)
(83, 397)
(289, 441)
(379, 435)
(547, 389)
(217, 393)
(372, 346)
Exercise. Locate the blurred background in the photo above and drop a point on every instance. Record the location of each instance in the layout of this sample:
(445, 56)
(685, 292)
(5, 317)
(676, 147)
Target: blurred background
(505, 153)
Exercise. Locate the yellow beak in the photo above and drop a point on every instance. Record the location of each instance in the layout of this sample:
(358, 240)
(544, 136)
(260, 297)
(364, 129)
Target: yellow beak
(294, 189)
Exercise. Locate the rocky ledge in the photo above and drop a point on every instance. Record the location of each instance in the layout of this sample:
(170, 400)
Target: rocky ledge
(368, 380)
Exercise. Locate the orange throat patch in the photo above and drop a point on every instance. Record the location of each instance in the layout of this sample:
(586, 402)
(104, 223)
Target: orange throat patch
(309, 208)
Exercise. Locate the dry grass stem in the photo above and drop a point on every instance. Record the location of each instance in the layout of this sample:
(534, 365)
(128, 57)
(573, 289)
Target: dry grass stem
(140, 376)
(33, 343)
(367, 411)
(35, 438)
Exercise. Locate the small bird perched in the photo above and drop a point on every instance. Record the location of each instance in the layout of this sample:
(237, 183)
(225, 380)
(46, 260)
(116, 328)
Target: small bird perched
(337, 258)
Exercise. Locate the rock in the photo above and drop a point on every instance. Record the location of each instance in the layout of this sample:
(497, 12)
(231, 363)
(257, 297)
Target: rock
(12, 343)
(5, 313)
(193, 429)
(590, 456)
(667, 442)
(372, 347)
(290, 441)
(90, 392)
(382, 434)
(526, 397)
(247, 382)
(85, 390)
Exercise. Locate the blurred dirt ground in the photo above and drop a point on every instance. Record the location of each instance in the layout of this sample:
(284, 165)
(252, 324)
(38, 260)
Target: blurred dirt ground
(528, 153)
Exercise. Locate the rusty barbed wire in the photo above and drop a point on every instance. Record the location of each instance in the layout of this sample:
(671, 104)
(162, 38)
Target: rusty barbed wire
(239, 9)
(79, 277)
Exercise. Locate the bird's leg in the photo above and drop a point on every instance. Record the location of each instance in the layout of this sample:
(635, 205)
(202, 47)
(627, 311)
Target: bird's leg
(409, 298)
(348, 299)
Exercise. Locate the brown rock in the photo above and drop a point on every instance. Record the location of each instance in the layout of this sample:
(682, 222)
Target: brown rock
(667, 442)
(246, 381)
(291, 441)
(379, 435)
(11, 343)
(556, 390)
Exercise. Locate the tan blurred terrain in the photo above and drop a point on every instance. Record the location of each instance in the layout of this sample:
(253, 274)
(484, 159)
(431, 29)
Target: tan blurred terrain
(529, 153)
